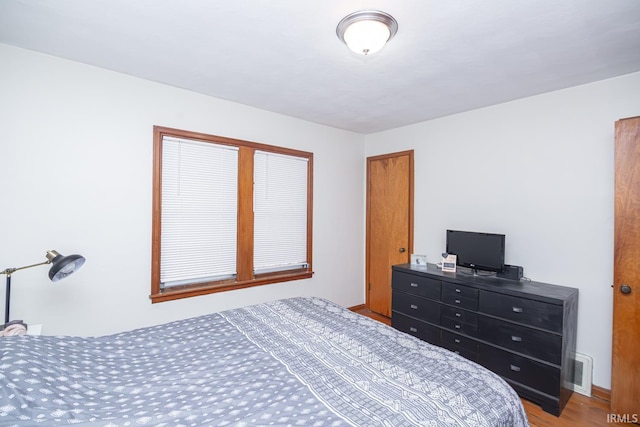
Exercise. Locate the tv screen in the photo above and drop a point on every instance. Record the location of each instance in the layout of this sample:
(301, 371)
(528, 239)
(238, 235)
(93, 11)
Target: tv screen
(479, 251)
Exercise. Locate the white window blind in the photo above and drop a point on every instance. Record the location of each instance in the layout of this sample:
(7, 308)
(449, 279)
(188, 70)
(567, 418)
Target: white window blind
(199, 212)
(280, 212)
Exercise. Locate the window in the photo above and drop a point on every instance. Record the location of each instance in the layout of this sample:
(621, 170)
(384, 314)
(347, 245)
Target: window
(227, 214)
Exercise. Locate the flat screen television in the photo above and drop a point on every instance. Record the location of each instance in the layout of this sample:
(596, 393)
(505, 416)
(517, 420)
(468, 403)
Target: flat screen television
(478, 251)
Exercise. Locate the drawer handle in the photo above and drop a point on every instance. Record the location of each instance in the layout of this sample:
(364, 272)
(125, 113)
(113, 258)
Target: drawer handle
(414, 285)
(414, 307)
(515, 338)
(515, 368)
(457, 326)
(517, 310)
(412, 329)
(458, 290)
(457, 301)
(458, 314)
(457, 341)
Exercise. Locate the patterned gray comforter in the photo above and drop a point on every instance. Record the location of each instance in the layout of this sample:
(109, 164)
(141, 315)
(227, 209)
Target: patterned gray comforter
(293, 362)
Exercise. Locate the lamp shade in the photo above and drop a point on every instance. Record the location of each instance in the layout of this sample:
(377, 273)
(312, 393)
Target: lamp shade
(63, 266)
(366, 37)
(366, 32)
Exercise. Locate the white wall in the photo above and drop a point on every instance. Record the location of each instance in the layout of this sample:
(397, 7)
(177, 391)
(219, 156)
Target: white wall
(539, 170)
(76, 176)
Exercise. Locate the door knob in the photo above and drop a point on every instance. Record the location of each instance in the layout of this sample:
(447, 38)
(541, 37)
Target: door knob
(402, 250)
(625, 289)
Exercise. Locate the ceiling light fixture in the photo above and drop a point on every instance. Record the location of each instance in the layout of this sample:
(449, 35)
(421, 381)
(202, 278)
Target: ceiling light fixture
(366, 31)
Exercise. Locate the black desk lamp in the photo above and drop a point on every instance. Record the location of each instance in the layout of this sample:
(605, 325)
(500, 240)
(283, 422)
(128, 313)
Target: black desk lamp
(61, 267)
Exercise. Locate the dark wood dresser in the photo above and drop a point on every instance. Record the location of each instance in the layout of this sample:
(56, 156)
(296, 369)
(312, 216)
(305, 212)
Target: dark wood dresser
(522, 330)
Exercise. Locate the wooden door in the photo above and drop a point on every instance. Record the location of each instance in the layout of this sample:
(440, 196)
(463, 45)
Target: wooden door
(625, 373)
(389, 224)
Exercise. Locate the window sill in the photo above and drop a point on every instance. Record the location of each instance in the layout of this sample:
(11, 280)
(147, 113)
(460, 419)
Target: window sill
(210, 288)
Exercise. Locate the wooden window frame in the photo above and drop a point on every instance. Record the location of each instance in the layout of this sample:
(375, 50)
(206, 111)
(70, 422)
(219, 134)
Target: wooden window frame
(244, 262)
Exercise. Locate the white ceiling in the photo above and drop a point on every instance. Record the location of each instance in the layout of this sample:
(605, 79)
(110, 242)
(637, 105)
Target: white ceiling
(448, 56)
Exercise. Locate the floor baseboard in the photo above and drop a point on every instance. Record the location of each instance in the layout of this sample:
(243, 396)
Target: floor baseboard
(601, 393)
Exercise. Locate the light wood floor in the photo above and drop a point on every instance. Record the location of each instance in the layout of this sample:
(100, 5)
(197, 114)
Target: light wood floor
(580, 411)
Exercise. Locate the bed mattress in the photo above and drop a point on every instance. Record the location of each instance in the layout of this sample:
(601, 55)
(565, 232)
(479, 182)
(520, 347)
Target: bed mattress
(292, 362)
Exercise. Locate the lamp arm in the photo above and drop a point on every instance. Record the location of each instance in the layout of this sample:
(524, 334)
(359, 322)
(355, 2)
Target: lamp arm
(10, 271)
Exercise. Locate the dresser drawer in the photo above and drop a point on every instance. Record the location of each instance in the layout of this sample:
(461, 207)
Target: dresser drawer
(415, 327)
(462, 345)
(529, 312)
(531, 342)
(460, 296)
(464, 353)
(525, 371)
(459, 315)
(414, 306)
(458, 326)
(416, 285)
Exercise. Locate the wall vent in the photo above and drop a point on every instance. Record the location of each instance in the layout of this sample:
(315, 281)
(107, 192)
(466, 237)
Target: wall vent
(582, 373)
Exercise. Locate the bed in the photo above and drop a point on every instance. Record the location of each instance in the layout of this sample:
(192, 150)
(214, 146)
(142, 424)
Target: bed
(291, 362)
